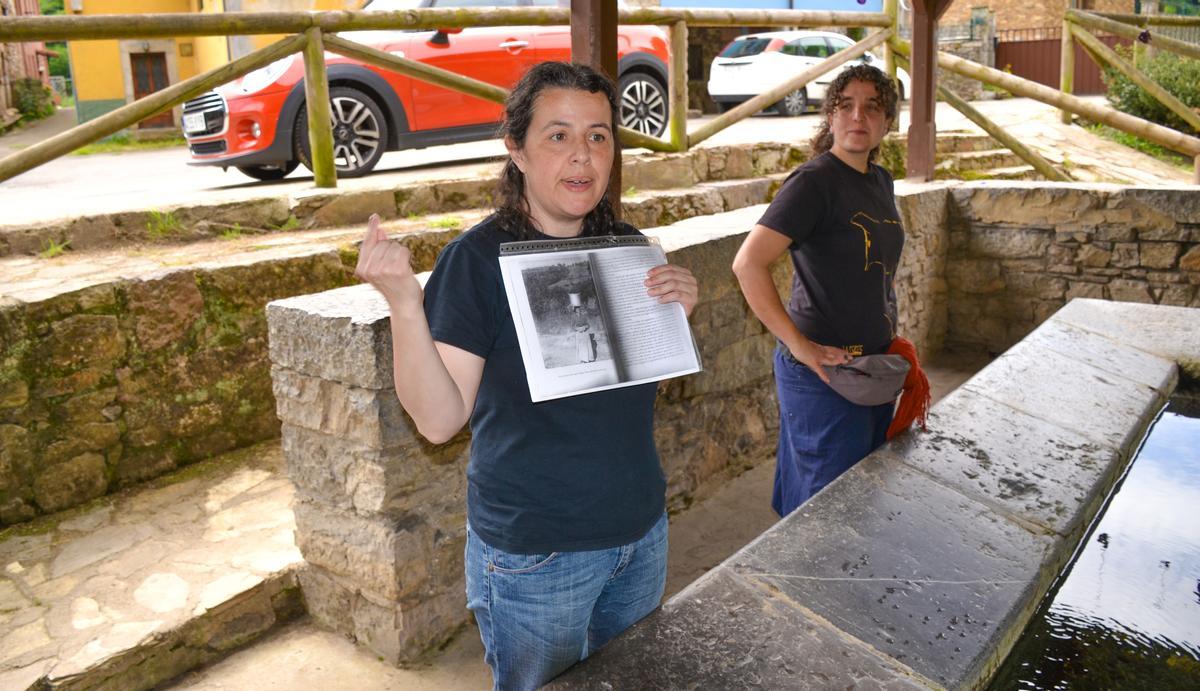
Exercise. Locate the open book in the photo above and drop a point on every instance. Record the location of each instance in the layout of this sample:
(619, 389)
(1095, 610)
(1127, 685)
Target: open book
(584, 320)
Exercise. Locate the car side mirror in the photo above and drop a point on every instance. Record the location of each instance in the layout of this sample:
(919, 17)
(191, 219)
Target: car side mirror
(441, 37)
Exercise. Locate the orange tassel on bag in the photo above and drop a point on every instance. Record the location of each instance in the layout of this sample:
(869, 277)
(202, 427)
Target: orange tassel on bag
(915, 398)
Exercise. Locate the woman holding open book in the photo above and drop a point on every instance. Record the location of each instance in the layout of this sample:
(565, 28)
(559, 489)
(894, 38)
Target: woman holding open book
(566, 529)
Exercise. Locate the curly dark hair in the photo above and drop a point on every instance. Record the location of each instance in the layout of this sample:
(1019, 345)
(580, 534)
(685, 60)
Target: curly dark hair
(884, 87)
(512, 209)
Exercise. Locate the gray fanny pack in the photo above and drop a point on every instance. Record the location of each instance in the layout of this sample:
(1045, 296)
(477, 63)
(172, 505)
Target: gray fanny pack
(869, 379)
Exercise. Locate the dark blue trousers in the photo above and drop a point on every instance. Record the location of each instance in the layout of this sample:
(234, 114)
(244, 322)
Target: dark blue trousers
(821, 434)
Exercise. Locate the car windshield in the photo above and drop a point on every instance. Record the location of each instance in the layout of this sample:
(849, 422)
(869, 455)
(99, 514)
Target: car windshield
(745, 47)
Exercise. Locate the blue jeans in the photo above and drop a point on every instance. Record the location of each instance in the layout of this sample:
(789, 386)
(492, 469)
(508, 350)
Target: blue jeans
(821, 434)
(538, 614)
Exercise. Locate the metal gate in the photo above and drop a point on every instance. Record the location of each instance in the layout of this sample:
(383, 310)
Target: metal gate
(1035, 55)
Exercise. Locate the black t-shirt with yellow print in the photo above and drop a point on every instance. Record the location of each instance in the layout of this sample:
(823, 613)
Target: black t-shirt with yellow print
(846, 242)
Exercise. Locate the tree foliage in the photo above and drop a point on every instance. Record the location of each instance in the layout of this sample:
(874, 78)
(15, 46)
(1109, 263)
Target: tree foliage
(1180, 76)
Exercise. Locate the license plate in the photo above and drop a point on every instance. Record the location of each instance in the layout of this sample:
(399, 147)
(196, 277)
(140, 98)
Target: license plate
(194, 122)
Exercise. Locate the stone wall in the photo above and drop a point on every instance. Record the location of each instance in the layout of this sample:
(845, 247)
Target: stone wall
(1018, 252)
(920, 284)
(981, 51)
(110, 385)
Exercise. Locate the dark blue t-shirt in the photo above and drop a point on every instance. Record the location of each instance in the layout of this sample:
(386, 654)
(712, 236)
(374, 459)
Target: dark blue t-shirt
(846, 242)
(570, 474)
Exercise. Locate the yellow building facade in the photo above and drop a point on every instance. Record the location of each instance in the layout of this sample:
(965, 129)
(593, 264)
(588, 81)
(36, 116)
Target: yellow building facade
(108, 74)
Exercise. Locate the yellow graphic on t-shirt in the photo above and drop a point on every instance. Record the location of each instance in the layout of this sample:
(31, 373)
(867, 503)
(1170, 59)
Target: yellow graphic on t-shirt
(859, 220)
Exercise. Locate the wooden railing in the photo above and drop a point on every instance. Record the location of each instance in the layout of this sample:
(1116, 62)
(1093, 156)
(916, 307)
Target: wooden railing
(1063, 98)
(314, 32)
(1136, 27)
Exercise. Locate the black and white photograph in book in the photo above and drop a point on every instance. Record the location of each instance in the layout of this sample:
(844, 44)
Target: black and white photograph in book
(566, 314)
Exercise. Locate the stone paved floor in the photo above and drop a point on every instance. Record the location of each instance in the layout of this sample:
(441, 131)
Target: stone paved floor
(82, 585)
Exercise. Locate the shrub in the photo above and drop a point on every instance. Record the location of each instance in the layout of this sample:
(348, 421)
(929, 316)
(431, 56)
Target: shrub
(32, 98)
(1178, 75)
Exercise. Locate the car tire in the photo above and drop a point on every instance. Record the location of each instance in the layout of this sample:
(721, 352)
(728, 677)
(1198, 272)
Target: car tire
(360, 132)
(278, 172)
(793, 104)
(642, 103)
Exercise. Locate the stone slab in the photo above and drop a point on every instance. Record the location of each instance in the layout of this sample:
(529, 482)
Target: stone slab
(728, 632)
(920, 572)
(1104, 353)
(1168, 332)
(341, 334)
(1024, 466)
(1070, 393)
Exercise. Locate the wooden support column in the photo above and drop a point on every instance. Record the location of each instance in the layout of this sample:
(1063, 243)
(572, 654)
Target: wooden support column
(320, 120)
(890, 8)
(677, 104)
(922, 133)
(1066, 64)
(594, 43)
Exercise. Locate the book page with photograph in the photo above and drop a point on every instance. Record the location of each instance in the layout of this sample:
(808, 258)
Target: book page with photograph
(584, 321)
(563, 338)
(652, 340)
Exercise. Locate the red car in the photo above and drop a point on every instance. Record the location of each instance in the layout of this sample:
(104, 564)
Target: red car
(258, 124)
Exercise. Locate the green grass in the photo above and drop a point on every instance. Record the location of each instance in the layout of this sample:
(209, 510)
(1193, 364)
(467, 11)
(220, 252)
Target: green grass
(291, 223)
(447, 223)
(1135, 142)
(52, 248)
(122, 142)
(233, 232)
(161, 224)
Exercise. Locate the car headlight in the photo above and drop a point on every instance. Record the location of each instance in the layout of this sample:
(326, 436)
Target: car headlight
(265, 76)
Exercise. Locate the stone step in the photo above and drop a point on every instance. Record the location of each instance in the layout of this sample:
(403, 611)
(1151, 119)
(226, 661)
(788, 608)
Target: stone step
(981, 160)
(960, 142)
(137, 588)
(1021, 172)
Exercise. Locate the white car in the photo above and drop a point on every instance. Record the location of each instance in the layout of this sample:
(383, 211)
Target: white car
(755, 63)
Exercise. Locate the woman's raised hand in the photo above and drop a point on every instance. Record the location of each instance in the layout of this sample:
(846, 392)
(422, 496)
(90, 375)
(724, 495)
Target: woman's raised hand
(387, 266)
(671, 283)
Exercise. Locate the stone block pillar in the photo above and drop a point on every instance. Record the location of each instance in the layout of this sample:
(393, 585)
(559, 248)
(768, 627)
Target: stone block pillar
(380, 513)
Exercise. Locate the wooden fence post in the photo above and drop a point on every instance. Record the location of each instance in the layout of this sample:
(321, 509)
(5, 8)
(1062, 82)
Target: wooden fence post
(1066, 73)
(320, 125)
(678, 77)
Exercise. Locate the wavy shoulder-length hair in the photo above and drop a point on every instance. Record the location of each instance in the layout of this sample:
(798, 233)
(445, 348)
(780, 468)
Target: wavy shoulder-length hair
(885, 89)
(512, 208)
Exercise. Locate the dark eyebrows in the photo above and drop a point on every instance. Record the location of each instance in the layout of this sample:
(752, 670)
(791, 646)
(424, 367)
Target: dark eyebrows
(563, 123)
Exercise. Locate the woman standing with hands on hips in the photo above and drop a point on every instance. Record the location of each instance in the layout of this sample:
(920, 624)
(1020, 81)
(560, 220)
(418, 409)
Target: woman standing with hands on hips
(566, 528)
(836, 216)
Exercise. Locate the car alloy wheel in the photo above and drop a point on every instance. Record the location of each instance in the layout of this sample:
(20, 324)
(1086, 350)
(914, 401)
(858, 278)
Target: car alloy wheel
(793, 104)
(643, 103)
(359, 132)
